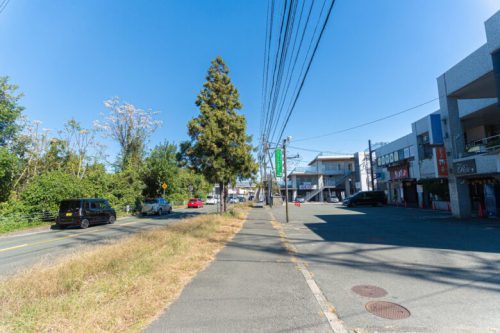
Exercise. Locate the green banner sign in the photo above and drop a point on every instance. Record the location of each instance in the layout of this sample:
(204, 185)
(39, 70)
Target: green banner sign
(278, 157)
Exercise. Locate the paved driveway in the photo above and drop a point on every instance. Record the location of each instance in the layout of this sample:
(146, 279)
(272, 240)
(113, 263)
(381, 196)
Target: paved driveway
(445, 272)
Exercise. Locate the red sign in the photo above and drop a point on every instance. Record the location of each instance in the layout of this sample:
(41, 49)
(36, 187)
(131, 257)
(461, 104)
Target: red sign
(399, 172)
(442, 163)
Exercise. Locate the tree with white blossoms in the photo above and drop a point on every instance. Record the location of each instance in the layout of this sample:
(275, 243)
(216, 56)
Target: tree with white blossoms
(130, 127)
(33, 142)
(81, 146)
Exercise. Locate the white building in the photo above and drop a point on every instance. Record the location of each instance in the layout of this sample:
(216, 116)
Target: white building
(470, 115)
(326, 176)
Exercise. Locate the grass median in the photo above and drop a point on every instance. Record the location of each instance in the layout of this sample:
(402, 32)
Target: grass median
(117, 287)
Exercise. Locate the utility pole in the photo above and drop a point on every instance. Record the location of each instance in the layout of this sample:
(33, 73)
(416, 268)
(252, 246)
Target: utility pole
(286, 178)
(267, 177)
(371, 164)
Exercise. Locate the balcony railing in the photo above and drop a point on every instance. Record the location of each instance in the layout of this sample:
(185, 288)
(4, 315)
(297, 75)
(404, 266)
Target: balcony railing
(323, 171)
(483, 145)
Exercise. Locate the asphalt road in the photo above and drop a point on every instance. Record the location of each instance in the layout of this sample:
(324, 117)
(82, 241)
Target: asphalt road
(444, 271)
(21, 251)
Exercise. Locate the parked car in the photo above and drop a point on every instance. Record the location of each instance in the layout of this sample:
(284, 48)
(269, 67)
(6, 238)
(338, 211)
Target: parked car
(233, 200)
(84, 212)
(300, 199)
(332, 199)
(211, 200)
(251, 197)
(373, 198)
(156, 206)
(242, 199)
(195, 203)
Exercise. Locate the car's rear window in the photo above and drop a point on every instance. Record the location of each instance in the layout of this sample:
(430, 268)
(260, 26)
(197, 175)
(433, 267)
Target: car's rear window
(152, 201)
(68, 205)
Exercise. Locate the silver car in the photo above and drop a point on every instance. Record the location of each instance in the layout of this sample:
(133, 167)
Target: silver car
(156, 206)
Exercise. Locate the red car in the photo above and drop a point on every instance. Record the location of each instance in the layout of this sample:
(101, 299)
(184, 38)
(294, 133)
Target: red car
(195, 203)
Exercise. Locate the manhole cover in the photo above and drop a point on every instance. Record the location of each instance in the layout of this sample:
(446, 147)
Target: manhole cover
(387, 310)
(369, 291)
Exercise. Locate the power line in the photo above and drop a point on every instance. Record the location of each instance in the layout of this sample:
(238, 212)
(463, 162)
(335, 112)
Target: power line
(367, 123)
(318, 151)
(291, 69)
(307, 71)
(275, 63)
(3, 5)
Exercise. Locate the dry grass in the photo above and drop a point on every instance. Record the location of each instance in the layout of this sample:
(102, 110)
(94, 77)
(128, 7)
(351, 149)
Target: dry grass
(117, 287)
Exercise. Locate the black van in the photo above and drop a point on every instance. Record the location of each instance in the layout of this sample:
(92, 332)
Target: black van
(373, 198)
(84, 212)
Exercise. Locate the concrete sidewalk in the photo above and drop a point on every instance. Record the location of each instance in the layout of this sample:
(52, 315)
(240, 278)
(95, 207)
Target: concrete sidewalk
(252, 285)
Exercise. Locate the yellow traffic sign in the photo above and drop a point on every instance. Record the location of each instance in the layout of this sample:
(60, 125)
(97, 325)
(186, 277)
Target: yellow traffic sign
(164, 186)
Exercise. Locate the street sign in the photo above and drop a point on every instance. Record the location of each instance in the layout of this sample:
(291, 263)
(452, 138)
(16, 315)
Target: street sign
(164, 186)
(278, 156)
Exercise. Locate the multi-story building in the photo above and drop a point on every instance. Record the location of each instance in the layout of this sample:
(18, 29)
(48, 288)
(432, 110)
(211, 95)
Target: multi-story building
(470, 114)
(413, 169)
(325, 177)
(396, 170)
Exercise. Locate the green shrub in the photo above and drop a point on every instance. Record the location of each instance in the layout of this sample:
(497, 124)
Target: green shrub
(46, 191)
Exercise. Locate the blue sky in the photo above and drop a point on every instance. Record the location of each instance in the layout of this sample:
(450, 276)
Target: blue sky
(376, 58)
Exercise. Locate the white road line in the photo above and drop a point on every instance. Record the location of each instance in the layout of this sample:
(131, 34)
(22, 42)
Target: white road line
(13, 247)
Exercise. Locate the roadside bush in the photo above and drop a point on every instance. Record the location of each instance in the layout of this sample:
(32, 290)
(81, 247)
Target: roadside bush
(46, 191)
(8, 168)
(125, 188)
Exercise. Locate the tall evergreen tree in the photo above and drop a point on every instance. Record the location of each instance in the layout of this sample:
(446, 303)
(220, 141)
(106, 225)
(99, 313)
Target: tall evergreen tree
(220, 147)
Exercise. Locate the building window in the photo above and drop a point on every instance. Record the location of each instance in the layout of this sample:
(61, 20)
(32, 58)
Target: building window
(424, 147)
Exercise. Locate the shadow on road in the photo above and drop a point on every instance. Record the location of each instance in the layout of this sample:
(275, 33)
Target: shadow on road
(408, 228)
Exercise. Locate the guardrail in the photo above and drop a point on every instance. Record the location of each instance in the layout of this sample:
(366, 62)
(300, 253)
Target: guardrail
(44, 216)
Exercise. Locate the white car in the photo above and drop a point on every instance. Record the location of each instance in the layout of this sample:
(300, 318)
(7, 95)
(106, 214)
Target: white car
(233, 200)
(156, 206)
(211, 200)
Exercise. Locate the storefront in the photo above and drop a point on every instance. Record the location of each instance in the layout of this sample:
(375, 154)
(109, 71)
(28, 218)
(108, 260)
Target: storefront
(403, 189)
(485, 195)
(484, 189)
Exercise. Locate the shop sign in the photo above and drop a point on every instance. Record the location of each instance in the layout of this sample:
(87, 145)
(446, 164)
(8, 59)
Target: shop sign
(400, 172)
(278, 156)
(442, 163)
(465, 167)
